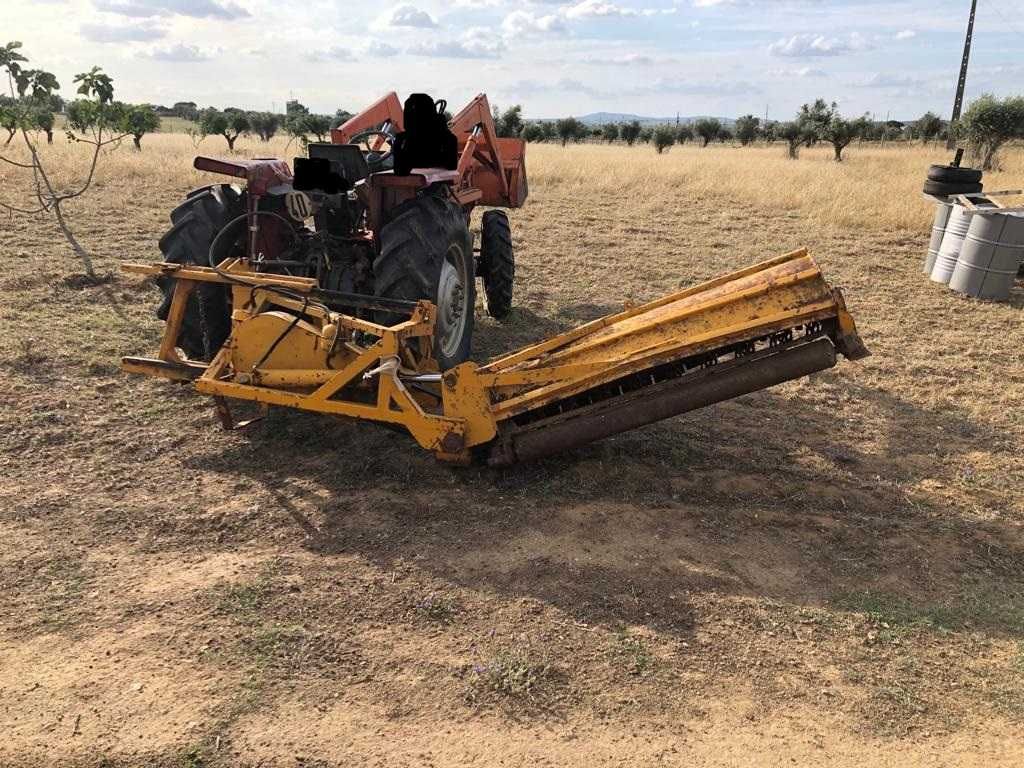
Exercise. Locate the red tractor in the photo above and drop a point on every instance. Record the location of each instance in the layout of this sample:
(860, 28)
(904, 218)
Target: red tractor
(379, 217)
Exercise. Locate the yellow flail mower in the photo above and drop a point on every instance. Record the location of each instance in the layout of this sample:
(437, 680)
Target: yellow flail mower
(348, 288)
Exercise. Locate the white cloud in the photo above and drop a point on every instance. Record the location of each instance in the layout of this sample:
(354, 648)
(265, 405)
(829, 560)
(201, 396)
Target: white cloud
(475, 43)
(334, 53)
(887, 80)
(181, 53)
(587, 9)
(198, 9)
(798, 72)
(407, 16)
(906, 34)
(121, 33)
(809, 44)
(520, 23)
(379, 48)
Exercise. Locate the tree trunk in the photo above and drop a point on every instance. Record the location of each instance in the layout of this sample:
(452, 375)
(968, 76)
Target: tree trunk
(49, 136)
(10, 135)
(231, 142)
(838, 149)
(80, 252)
(137, 141)
(989, 157)
(794, 150)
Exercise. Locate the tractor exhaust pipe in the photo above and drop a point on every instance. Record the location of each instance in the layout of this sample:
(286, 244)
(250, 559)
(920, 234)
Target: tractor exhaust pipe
(710, 385)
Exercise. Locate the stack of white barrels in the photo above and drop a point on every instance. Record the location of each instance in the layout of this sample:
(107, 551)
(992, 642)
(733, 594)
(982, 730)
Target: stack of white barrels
(976, 251)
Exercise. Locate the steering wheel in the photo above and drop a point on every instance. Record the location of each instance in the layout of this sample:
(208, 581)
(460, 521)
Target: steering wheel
(378, 156)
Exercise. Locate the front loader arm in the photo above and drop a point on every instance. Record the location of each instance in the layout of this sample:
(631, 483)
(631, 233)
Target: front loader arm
(387, 108)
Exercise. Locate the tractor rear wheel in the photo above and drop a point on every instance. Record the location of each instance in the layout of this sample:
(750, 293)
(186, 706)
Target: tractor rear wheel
(426, 252)
(497, 263)
(195, 224)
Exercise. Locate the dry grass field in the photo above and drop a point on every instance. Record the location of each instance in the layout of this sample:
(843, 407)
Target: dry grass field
(828, 573)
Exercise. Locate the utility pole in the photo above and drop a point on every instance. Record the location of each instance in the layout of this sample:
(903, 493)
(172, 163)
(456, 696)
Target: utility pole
(958, 101)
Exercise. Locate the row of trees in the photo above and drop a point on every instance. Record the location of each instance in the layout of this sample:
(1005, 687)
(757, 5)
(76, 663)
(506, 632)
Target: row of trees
(297, 122)
(985, 126)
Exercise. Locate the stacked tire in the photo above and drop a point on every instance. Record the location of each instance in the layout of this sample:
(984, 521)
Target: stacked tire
(949, 180)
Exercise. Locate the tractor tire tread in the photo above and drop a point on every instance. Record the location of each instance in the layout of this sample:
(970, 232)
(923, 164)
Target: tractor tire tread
(497, 261)
(413, 247)
(195, 223)
(948, 174)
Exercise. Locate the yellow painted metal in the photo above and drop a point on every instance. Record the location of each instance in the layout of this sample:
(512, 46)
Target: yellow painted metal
(775, 295)
(287, 349)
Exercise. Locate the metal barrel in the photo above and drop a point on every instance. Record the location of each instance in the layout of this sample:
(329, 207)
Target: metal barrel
(942, 211)
(991, 253)
(952, 240)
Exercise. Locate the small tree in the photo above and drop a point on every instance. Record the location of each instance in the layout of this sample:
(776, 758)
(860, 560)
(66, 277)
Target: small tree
(989, 123)
(341, 116)
(630, 132)
(746, 129)
(664, 137)
(769, 131)
(684, 133)
(509, 123)
(318, 125)
(840, 132)
(138, 120)
(646, 134)
(569, 129)
(186, 110)
(8, 117)
(264, 124)
(532, 132)
(42, 119)
(814, 118)
(794, 135)
(230, 125)
(725, 135)
(31, 87)
(708, 129)
(610, 132)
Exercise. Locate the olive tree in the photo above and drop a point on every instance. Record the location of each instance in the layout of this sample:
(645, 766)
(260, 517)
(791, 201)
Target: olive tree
(746, 129)
(264, 124)
(814, 118)
(610, 132)
(684, 133)
(989, 123)
(230, 125)
(839, 132)
(137, 120)
(794, 134)
(664, 136)
(569, 129)
(630, 132)
(928, 126)
(509, 123)
(708, 129)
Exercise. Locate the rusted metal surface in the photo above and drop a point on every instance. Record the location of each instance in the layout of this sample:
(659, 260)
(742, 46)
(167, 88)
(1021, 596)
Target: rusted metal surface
(713, 384)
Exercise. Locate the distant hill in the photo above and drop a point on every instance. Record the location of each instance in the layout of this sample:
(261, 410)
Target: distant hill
(600, 118)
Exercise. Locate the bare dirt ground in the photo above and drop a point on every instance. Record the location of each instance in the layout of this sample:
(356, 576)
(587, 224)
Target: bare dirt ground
(827, 573)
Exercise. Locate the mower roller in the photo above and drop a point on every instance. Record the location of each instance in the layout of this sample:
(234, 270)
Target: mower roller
(270, 314)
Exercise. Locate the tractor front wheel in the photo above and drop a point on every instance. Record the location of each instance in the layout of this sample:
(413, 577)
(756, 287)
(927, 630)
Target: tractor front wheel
(426, 252)
(195, 223)
(497, 263)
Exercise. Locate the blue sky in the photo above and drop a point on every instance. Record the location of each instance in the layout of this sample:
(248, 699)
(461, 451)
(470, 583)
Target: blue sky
(652, 57)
